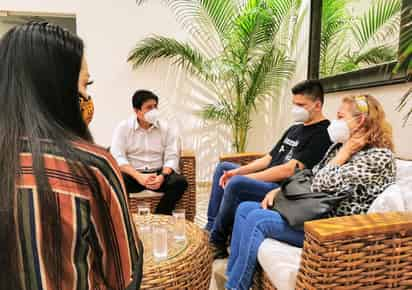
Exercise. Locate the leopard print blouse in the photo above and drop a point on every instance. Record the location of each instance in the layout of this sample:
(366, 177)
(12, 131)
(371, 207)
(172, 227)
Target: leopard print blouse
(367, 174)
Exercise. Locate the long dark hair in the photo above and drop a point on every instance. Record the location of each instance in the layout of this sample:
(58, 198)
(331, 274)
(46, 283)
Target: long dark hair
(39, 72)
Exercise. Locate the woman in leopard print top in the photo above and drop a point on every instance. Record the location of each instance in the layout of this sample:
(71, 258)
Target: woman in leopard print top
(365, 175)
(360, 162)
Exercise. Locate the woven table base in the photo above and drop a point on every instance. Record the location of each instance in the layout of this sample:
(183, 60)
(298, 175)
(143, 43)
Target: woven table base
(190, 269)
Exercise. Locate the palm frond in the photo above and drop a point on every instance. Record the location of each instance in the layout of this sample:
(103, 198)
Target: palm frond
(209, 21)
(405, 60)
(402, 104)
(405, 46)
(406, 30)
(216, 112)
(298, 26)
(379, 15)
(281, 10)
(159, 47)
(220, 13)
(334, 26)
(375, 55)
(262, 20)
(247, 29)
(267, 76)
(282, 69)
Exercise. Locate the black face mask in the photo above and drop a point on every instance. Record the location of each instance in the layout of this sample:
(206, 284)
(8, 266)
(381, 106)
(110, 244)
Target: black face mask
(86, 108)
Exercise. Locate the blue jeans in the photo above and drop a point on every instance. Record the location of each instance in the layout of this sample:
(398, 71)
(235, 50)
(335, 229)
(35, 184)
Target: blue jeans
(216, 193)
(252, 225)
(238, 189)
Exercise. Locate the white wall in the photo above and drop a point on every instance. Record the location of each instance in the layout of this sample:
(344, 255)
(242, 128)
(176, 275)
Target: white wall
(110, 29)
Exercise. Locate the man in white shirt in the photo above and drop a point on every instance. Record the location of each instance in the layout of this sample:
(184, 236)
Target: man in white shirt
(147, 151)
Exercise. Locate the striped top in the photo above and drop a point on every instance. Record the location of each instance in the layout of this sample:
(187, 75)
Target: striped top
(88, 260)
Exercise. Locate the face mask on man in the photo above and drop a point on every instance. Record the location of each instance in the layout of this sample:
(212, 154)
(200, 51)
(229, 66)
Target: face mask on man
(152, 116)
(300, 114)
(339, 131)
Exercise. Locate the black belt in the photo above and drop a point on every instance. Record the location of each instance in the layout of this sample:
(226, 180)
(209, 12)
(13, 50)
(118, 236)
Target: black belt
(150, 171)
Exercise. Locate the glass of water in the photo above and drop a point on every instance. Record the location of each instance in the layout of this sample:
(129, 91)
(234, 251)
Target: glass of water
(159, 243)
(179, 216)
(143, 211)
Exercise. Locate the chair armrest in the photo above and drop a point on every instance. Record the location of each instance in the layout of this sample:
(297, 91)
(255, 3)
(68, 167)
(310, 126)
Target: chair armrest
(188, 169)
(241, 158)
(370, 251)
(187, 154)
(356, 226)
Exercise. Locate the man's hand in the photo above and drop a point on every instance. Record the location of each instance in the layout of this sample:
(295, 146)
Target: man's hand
(224, 179)
(267, 202)
(145, 178)
(156, 183)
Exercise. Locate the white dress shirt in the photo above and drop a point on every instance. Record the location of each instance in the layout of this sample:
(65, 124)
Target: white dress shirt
(146, 150)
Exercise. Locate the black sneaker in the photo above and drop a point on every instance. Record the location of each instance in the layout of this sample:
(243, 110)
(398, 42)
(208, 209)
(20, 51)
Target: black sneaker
(219, 251)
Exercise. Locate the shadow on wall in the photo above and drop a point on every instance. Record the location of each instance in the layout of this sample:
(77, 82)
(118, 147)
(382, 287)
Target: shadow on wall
(208, 140)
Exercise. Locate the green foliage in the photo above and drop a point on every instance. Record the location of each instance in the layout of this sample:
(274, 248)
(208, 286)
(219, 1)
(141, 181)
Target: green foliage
(405, 59)
(239, 52)
(350, 43)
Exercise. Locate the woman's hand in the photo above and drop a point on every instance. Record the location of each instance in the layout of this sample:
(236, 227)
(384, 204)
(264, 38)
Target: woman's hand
(269, 198)
(354, 144)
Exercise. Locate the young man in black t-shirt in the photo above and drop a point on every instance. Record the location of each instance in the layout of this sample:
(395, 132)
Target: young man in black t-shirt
(302, 145)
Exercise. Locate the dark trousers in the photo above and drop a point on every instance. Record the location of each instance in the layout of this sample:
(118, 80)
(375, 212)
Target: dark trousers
(173, 188)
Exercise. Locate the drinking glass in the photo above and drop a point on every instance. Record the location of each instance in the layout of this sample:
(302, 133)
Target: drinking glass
(159, 243)
(179, 217)
(143, 211)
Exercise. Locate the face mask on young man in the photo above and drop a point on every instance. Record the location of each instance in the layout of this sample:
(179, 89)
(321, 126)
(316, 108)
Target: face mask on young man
(300, 114)
(152, 116)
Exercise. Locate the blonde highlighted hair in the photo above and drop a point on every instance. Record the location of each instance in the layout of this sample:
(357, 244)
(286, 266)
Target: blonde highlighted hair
(377, 128)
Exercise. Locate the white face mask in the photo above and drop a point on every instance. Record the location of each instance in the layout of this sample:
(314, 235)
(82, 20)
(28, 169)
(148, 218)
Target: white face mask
(339, 131)
(152, 116)
(300, 114)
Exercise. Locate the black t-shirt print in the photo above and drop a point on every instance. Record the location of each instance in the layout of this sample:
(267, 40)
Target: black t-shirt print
(307, 144)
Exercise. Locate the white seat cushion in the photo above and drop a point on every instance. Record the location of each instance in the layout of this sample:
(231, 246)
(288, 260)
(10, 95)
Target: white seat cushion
(397, 197)
(391, 199)
(281, 263)
(145, 194)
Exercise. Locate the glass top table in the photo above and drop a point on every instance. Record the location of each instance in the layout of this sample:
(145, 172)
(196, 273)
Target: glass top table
(188, 264)
(174, 247)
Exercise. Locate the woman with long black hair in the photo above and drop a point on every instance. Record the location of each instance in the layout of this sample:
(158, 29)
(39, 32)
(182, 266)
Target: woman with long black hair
(64, 221)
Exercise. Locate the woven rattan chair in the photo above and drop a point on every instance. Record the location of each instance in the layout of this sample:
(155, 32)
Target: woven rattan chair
(188, 200)
(372, 251)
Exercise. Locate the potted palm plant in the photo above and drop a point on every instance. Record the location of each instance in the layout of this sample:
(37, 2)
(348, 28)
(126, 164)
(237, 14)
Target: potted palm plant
(239, 50)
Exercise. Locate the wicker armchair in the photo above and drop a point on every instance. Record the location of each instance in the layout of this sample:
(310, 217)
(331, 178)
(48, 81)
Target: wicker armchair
(372, 251)
(241, 158)
(188, 200)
